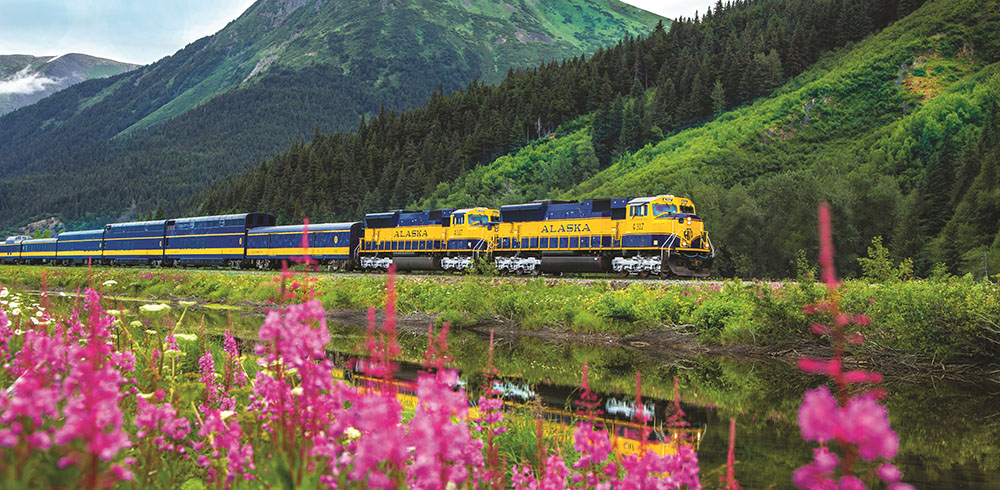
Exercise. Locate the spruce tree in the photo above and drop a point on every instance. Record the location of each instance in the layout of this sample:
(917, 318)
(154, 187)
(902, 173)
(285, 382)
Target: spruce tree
(718, 97)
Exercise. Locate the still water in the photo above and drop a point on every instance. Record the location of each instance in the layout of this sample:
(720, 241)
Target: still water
(949, 430)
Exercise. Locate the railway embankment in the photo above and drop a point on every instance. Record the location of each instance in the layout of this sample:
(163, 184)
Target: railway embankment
(949, 324)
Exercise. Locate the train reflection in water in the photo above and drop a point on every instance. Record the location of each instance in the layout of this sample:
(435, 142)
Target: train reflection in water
(556, 406)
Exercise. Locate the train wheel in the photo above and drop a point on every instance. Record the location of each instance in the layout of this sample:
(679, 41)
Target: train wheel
(644, 274)
(623, 274)
(665, 274)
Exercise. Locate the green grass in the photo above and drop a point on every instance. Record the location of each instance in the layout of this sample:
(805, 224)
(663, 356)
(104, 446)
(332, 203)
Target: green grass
(948, 319)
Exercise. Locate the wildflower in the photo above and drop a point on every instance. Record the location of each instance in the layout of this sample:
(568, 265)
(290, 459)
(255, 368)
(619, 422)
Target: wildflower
(153, 420)
(154, 309)
(4, 292)
(207, 366)
(109, 283)
(187, 337)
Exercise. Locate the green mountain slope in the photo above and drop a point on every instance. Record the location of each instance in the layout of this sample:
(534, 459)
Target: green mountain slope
(282, 69)
(576, 119)
(25, 79)
(899, 133)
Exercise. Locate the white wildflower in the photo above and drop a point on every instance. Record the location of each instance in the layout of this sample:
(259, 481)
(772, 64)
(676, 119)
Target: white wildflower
(109, 283)
(189, 337)
(352, 433)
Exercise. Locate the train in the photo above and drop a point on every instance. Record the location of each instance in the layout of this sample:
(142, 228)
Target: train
(659, 236)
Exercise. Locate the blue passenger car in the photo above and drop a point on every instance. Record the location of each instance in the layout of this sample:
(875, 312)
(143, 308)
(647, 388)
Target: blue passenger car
(136, 243)
(10, 249)
(38, 251)
(333, 244)
(80, 247)
(211, 240)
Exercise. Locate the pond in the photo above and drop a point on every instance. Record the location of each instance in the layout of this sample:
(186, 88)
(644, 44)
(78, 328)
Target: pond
(949, 430)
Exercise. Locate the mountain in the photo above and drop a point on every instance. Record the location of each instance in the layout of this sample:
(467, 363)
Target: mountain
(758, 112)
(898, 132)
(25, 79)
(281, 71)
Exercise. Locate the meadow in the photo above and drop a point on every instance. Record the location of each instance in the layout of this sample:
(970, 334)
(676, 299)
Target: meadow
(945, 318)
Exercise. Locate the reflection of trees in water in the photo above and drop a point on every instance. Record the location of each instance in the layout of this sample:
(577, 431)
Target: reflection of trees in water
(949, 431)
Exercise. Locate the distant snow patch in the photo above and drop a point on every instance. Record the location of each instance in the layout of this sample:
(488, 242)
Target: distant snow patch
(24, 82)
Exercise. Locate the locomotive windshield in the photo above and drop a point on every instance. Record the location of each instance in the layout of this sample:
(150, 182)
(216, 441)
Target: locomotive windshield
(661, 209)
(477, 219)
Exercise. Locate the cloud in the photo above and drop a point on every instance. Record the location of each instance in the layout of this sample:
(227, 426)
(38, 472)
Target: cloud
(23, 83)
(672, 9)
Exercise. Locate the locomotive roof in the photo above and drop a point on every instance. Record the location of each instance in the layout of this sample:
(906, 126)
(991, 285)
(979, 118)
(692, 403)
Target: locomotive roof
(70, 234)
(215, 218)
(39, 240)
(298, 228)
(644, 200)
(466, 210)
(131, 223)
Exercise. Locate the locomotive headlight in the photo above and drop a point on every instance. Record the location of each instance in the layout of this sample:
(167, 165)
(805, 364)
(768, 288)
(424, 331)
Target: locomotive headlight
(689, 220)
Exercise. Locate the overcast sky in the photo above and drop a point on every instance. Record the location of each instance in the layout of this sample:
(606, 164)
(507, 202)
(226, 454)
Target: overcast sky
(143, 31)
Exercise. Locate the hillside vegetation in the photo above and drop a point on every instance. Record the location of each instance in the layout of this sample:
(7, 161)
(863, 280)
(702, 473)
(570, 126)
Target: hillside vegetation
(399, 159)
(111, 149)
(896, 128)
(898, 132)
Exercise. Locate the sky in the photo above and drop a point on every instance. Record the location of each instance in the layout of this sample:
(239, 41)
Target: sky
(143, 31)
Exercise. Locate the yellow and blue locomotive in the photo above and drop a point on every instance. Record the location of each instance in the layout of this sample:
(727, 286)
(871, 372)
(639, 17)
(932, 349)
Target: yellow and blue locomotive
(443, 239)
(659, 235)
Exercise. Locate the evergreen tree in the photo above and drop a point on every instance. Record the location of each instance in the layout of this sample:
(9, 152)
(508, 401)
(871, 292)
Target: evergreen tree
(718, 97)
(606, 131)
(631, 127)
(664, 104)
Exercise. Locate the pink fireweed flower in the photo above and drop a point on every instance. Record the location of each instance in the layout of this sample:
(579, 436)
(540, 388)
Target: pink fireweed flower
(829, 367)
(826, 247)
(653, 471)
(865, 422)
(207, 366)
(224, 438)
(554, 478)
(171, 343)
(233, 360)
(6, 333)
(296, 335)
(817, 474)
(818, 415)
(443, 446)
(153, 420)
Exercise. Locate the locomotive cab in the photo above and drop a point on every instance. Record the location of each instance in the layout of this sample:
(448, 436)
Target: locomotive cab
(664, 233)
(473, 230)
